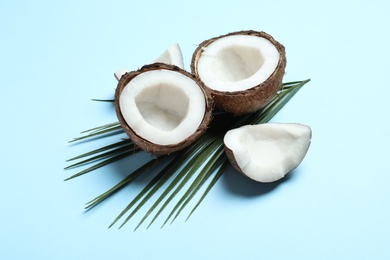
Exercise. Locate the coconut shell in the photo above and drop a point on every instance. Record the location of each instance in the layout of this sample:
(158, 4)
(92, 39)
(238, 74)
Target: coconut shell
(232, 159)
(146, 145)
(249, 100)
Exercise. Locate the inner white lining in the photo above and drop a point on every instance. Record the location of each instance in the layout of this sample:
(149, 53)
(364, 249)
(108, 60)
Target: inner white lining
(162, 106)
(237, 62)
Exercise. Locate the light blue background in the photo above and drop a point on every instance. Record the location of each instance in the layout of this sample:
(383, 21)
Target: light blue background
(57, 55)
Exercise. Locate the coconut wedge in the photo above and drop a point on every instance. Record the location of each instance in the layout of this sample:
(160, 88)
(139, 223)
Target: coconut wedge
(172, 55)
(267, 152)
(162, 108)
(243, 70)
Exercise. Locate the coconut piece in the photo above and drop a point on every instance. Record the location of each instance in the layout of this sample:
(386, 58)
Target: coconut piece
(119, 73)
(267, 152)
(243, 70)
(162, 107)
(172, 55)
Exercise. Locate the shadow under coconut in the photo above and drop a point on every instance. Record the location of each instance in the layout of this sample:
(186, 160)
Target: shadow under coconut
(239, 184)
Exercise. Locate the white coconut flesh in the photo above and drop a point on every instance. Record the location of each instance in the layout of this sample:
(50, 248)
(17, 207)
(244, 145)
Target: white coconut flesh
(237, 62)
(267, 152)
(162, 106)
(172, 55)
(119, 73)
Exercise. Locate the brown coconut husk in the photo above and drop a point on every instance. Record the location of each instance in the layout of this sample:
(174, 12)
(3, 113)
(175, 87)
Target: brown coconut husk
(232, 159)
(249, 100)
(146, 145)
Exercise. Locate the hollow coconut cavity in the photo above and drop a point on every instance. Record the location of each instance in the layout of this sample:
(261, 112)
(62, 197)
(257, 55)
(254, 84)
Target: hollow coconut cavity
(267, 152)
(162, 108)
(243, 70)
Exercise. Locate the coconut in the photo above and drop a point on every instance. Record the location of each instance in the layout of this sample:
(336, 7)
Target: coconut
(172, 55)
(267, 152)
(162, 108)
(243, 70)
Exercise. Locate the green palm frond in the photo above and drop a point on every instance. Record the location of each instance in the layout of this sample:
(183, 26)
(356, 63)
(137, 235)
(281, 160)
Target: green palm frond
(195, 169)
(104, 130)
(103, 100)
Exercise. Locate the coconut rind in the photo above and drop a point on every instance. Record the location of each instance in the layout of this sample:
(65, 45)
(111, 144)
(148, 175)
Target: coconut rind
(232, 159)
(146, 145)
(250, 100)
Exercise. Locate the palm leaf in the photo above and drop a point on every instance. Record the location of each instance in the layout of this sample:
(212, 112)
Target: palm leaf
(101, 150)
(200, 164)
(104, 130)
(121, 184)
(219, 167)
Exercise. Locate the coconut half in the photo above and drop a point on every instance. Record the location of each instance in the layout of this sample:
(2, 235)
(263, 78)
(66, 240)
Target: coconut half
(267, 152)
(162, 107)
(172, 55)
(243, 70)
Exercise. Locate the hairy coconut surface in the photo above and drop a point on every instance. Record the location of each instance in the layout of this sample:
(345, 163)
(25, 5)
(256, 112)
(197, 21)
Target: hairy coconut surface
(162, 108)
(267, 152)
(243, 70)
